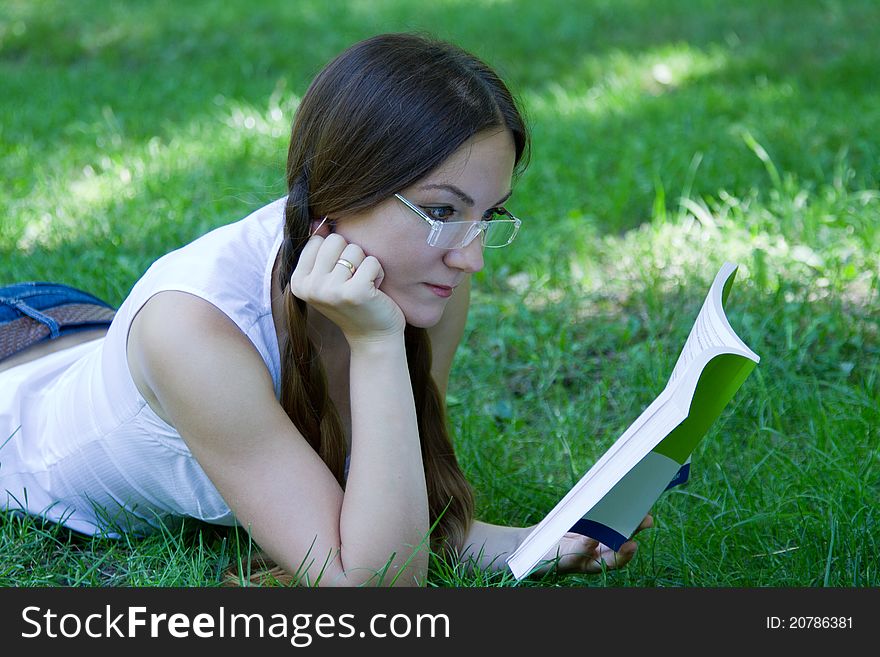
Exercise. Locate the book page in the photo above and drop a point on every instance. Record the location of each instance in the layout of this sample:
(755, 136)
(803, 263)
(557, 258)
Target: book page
(711, 328)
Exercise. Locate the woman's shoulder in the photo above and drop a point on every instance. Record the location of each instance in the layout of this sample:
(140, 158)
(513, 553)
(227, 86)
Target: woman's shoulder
(179, 322)
(179, 340)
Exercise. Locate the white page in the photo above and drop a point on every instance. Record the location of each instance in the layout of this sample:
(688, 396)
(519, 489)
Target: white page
(711, 328)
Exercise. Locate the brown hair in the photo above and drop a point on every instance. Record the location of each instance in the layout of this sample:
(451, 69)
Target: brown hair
(379, 117)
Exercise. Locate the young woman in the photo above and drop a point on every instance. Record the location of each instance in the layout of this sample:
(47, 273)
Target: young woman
(287, 372)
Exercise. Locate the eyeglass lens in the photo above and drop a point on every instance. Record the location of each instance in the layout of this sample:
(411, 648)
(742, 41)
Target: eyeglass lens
(458, 234)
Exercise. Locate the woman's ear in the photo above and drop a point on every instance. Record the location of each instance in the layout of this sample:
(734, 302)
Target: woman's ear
(321, 227)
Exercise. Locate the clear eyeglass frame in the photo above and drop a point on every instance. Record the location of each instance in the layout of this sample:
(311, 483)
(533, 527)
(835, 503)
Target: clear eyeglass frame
(458, 234)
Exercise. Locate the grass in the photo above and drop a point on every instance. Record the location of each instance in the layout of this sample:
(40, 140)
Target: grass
(668, 138)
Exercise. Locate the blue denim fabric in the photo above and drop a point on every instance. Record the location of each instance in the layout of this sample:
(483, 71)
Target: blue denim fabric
(32, 297)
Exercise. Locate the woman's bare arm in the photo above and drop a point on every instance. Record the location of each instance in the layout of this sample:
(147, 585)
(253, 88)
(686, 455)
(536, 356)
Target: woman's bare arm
(211, 384)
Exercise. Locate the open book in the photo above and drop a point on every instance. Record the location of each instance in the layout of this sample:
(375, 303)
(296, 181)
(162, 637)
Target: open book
(653, 454)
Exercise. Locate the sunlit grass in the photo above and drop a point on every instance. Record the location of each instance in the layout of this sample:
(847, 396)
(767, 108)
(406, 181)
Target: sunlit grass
(59, 206)
(615, 81)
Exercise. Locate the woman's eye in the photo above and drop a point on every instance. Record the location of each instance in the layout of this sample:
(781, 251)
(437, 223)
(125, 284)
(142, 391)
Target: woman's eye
(495, 213)
(442, 213)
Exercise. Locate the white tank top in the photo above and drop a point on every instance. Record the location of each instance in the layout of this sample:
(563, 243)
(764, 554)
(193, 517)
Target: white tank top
(79, 445)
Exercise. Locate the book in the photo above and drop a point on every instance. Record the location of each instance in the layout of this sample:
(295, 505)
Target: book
(653, 454)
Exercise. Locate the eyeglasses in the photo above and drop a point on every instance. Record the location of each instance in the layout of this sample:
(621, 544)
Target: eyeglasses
(494, 233)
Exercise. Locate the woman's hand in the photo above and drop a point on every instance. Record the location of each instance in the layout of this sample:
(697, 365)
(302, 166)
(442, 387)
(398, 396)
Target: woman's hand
(350, 299)
(576, 553)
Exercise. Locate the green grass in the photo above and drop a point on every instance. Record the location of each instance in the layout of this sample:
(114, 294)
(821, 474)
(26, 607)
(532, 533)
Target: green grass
(669, 137)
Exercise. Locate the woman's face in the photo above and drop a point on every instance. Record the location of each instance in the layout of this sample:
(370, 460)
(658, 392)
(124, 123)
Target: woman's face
(418, 277)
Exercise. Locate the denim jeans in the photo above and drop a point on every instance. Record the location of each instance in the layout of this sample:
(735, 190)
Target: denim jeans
(31, 298)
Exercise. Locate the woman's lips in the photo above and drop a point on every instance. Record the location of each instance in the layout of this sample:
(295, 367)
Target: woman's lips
(443, 291)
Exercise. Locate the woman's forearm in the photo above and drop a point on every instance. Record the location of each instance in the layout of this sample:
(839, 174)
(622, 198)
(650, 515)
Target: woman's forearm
(385, 507)
(488, 547)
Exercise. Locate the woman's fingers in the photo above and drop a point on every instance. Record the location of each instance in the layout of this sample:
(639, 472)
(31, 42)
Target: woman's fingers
(586, 555)
(369, 271)
(573, 553)
(342, 282)
(647, 523)
(609, 559)
(330, 251)
(326, 259)
(347, 264)
(580, 554)
(307, 256)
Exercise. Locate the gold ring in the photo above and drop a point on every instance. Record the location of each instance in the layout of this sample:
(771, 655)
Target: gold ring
(346, 263)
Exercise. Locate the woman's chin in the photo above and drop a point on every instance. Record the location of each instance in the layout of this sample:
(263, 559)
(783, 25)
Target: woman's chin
(423, 317)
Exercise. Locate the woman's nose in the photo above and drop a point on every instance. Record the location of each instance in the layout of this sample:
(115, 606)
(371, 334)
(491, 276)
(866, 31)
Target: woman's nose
(467, 258)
